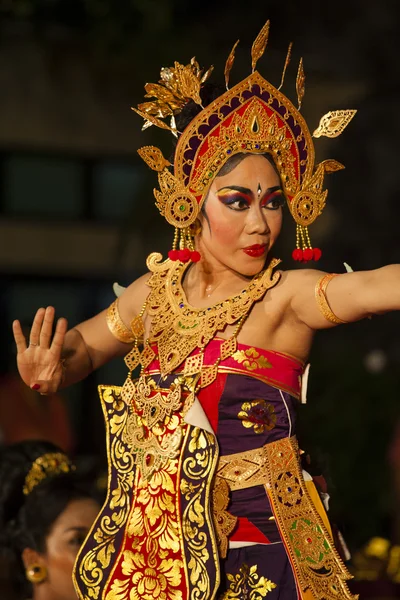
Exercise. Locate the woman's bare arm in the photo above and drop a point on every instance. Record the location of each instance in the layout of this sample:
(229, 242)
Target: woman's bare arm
(47, 363)
(351, 296)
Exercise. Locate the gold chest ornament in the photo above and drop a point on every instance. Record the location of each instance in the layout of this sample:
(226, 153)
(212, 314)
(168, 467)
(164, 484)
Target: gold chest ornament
(178, 329)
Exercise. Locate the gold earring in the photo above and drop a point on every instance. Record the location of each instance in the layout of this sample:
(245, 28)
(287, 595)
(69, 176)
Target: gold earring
(36, 573)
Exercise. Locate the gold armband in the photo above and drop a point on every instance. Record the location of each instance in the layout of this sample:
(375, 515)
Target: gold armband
(320, 296)
(120, 330)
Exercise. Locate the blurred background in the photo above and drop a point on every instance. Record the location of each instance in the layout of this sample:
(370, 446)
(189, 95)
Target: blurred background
(77, 212)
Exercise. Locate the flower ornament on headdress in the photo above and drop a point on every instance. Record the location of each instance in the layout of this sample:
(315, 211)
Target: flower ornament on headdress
(251, 117)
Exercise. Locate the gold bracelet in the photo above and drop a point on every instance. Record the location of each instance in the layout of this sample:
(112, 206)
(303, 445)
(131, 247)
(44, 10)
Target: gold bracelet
(320, 296)
(117, 326)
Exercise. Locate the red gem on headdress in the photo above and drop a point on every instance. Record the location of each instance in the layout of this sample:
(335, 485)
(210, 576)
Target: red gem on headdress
(173, 254)
(184, 255)
(297, 254)
(317, 253)
(195, 257)
(308, 255)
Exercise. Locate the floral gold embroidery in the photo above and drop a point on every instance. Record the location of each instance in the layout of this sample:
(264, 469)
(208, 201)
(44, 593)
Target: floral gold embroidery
(248, 585)
(258, 414)
(151, 567)
(201, 454)
(251, 359)
(146, 582)
(93, 562)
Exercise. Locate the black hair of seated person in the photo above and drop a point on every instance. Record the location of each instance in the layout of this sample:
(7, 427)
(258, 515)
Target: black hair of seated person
(26, 520)
(208, 93)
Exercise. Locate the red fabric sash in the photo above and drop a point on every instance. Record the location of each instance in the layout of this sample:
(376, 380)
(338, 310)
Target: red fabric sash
(274, 368)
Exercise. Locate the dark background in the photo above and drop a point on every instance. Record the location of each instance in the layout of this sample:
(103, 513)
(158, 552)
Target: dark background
(77, 212)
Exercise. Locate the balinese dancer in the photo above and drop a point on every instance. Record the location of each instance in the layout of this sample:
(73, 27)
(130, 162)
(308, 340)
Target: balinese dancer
(206, 495)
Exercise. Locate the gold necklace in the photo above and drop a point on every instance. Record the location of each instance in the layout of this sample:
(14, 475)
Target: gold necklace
(179, 328)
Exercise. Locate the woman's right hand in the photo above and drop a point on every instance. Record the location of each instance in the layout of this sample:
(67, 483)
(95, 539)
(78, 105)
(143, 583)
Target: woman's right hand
(39, 363)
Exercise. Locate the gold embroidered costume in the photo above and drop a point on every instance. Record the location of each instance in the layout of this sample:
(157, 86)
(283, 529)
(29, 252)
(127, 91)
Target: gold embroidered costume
(203, 461)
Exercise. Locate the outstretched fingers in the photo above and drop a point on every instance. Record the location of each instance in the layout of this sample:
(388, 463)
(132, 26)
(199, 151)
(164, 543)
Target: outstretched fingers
(46, 331)
(36, 327)
(59, 336)
(19, 337)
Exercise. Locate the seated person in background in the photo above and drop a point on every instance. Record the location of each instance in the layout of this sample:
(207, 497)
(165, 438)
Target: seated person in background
(45, 514)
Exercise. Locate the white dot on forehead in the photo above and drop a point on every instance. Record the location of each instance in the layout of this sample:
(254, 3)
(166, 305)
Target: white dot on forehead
(259, 190)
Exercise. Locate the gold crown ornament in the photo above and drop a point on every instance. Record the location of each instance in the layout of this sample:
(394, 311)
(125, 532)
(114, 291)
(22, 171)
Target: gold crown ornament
(251, 117)
(46, 465)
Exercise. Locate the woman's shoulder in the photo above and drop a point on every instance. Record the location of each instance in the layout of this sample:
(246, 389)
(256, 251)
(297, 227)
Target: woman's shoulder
(294, 277)
(292, 280)
(134, 296)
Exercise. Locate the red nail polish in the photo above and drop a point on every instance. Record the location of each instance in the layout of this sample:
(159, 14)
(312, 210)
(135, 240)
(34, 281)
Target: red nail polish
(36, 386)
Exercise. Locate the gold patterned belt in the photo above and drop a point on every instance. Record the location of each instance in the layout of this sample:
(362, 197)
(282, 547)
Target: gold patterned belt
(298, 512)
(243, 469)
(235, 472)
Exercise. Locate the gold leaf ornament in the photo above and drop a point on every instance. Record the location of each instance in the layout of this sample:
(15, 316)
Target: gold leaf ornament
(177, 85)
(229, 64)
(300, 83)
(259, 45)
(285, 66)
(150, 120)
(334, 123)
(188, 84)
(207, 74)
(153, 157)
(158, 110)
(163, 95)
(331, 166)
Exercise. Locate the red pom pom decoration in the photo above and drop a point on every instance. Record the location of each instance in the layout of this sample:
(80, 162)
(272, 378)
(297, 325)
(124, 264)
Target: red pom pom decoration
(297, 254)
(184, 255)
(173, 254)
(195, 256)
(308, 255)
(317, 253)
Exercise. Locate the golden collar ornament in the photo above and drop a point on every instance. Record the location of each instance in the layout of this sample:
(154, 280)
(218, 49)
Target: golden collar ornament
(251, 117)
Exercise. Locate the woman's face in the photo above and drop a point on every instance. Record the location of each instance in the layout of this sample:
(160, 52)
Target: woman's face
(242, 216)
(62, 545)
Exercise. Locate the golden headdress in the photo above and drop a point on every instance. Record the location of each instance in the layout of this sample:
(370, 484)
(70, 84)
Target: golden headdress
(252, 117)
(46, 465)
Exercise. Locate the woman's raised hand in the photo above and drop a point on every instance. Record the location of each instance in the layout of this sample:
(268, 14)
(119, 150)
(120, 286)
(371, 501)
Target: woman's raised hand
(39, 363)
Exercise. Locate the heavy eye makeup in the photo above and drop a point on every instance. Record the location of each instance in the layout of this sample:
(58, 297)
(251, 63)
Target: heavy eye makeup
(239, 199)
(234, 198)
(273, 200)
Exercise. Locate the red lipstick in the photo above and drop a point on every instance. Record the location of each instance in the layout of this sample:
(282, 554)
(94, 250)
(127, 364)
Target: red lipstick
(256, 251)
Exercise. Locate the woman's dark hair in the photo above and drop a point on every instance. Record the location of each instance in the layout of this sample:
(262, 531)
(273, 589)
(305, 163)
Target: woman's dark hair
(26, 520)
(208, 93)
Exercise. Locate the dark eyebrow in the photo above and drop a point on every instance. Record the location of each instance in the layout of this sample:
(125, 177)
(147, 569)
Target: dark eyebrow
(237, 188)
(271, 190)
(247, 191)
